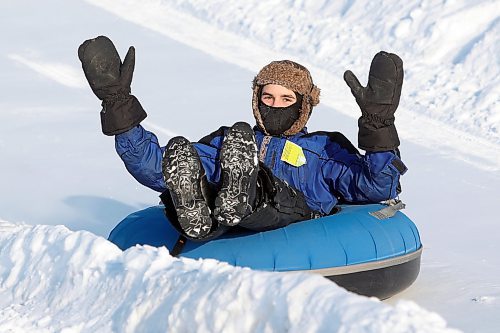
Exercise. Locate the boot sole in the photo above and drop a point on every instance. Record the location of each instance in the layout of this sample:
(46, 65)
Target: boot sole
(239, 171)
(182, 172)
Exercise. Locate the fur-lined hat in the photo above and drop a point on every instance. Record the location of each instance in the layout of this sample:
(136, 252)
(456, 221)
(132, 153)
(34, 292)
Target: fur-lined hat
(290, 75)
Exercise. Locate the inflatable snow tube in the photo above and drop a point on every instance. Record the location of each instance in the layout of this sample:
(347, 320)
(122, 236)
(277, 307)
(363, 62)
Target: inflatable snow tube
(353, 248)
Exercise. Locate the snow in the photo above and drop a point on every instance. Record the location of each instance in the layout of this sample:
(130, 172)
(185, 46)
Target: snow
(64, 188)
(64, 281)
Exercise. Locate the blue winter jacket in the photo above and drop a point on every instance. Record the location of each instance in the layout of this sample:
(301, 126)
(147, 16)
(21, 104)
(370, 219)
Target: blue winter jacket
(334, 169)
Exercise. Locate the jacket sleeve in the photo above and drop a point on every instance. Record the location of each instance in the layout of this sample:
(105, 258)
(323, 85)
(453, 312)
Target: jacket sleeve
(140, 151)
(373, 177)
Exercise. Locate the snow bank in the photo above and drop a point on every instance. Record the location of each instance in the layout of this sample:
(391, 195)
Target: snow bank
(55, 280)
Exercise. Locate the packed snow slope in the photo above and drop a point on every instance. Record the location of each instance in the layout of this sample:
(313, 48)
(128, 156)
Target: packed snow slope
(195, 62)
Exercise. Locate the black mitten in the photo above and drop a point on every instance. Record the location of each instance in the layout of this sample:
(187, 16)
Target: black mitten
(110, 81)
(378, 102)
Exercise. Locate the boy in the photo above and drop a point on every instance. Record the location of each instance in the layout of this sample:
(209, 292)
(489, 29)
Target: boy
(258, 178)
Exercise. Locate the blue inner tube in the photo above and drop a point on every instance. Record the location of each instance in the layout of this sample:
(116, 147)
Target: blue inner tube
(353, 248)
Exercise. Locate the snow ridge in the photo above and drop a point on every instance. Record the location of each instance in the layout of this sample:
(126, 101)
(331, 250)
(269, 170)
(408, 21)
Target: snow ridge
(48, 274)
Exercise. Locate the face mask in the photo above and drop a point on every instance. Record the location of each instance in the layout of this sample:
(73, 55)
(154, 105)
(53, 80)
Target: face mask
(277, 120)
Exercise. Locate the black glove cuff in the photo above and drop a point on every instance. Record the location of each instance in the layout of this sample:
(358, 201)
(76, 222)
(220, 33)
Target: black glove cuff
(375, 120)
(377, 138)
(120, 113)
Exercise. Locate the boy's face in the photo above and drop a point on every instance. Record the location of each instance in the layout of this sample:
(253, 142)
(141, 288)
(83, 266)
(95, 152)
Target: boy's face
(277, 96)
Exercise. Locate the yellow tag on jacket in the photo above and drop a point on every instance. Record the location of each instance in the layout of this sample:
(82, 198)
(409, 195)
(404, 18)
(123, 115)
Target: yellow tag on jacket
(293, 154)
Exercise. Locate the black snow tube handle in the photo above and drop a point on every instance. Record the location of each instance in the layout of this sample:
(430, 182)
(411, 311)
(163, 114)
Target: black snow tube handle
(179, 245)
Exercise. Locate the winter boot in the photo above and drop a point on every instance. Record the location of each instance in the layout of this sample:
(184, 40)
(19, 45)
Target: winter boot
(185, 178)
(239, 164)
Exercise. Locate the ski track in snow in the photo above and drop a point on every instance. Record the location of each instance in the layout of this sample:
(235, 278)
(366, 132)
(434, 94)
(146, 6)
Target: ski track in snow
(251, 35)
(66, 75)
(160, 129)
(48, 274)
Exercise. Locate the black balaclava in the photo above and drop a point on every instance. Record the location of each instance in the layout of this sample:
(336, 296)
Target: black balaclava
(294, 77)
(277, 120)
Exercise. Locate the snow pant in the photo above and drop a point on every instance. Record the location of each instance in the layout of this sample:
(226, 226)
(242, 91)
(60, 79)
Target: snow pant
(276, 204)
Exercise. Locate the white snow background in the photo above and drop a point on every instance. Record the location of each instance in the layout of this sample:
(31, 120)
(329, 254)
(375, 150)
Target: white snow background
(63, 188)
